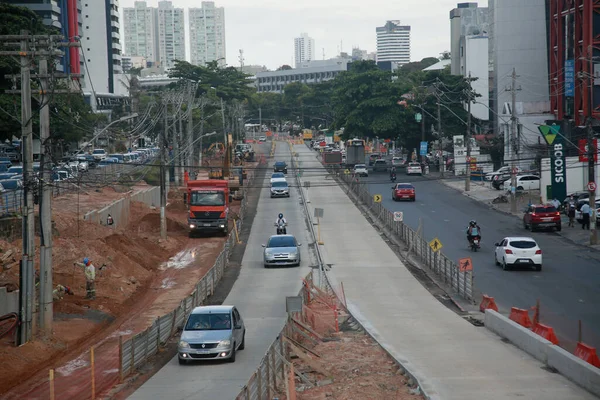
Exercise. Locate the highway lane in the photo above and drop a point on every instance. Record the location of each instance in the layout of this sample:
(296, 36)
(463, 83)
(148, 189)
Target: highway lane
(259, 294)
(568, 286)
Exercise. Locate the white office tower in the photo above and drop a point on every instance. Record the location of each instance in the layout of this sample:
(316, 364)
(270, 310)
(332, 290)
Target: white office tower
(207, 34)
(393, 43)
(304, 49)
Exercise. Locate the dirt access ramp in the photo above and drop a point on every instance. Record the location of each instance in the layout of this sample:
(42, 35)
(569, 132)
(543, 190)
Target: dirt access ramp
(145, 277)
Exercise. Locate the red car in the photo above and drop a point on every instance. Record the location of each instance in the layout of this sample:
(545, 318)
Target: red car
(403, 191)
(541, 216)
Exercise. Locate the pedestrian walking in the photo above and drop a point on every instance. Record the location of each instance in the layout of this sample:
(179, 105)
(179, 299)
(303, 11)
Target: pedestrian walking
(90, 277)
(571, 214)
(585, 215)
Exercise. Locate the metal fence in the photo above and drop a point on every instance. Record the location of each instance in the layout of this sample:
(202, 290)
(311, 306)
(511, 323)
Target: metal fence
(436, 261)
(271, 371)
(134, 351)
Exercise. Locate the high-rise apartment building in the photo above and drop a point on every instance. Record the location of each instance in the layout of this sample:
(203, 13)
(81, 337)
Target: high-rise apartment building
(304, 49)
(140, 25)
(393, 43)
(171, 34)
(207, 34)
(101, 44)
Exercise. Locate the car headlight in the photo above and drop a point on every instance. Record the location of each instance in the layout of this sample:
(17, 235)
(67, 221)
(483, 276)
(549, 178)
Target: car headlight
(225, 343)
(268, 256)
(184, 344)
(294, 254)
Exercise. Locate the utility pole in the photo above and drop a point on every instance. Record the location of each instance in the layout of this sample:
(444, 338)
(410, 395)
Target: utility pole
(259, 122)
(422, 157)
(468, 137)
(27, 48)
(592, 154)
(178, 134)
(46, 312)
(513, 143)
(163, 176)
(189, 160)
(439, 128)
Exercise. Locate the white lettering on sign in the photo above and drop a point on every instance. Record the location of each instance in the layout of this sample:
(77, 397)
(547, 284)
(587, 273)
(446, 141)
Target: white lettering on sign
(559, 166)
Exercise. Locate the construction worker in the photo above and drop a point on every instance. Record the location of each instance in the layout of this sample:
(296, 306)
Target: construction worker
(90, 277)
(60, 291)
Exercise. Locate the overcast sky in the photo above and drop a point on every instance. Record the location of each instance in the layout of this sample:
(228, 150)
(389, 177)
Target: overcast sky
(265, 29)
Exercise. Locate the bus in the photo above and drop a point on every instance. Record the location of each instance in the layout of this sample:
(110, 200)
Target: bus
(355, 152)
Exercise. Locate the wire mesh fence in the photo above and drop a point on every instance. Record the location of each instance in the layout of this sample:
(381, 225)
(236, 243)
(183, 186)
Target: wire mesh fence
(447, 270)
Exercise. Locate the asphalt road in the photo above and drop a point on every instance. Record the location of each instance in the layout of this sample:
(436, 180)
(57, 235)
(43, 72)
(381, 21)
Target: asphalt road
(258, 293)
(568, 286)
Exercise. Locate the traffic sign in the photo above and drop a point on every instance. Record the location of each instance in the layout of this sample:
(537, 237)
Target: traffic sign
(592, 186)
(515, 171)
(398, 216)
(347, 171)
(465, 264)
(377, 198)
(435, 245)
(423, 149)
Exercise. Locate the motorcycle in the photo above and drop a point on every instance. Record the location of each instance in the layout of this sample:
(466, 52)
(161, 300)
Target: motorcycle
(475, 243)
(281, 228)
(393, 178)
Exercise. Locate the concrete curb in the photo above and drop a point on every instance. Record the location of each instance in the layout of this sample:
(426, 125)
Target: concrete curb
(570, 366)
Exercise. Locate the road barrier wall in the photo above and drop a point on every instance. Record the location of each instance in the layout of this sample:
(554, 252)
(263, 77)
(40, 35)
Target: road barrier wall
(119, 209)
(569, 365)
(447, 270)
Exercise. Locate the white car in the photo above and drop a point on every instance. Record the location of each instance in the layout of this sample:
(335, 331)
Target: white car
(361, 170)
(397, 161)
(414, 168)
(262, 139)
(524, 182)
(518, 251)
(504, 171)
(99, 154)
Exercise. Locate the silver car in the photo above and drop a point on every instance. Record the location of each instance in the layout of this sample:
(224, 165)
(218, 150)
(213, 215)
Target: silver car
(280, 189)
(282, 250)
(212, 333)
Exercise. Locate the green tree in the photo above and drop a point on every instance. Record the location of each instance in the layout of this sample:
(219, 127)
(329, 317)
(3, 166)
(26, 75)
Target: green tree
(284, 67)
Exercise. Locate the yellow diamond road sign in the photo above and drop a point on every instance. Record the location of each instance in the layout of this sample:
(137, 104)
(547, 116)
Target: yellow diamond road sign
(377, 198)
(436, 245)
(347, 172)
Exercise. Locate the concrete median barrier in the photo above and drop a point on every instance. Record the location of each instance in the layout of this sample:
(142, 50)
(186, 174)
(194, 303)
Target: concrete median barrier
(574, 368)
(518, 335)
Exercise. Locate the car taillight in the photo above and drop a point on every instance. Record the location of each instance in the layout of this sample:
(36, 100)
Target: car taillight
(533, 214)
(557, 214)
(508, 251)
(538, 252)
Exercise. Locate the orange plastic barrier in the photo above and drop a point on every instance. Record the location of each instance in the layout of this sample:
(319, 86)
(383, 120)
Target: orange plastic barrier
(588, 354)
(546, 332)
(520, 316)
(488, 303)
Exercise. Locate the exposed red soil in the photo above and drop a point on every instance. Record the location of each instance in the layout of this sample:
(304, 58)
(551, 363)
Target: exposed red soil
(133, 290)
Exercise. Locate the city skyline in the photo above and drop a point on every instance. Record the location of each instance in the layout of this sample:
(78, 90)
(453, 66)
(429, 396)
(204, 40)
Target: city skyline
(335, 26)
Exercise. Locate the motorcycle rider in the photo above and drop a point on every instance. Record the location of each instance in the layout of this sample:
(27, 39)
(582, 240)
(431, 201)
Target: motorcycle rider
(473, 231)
(281, 222)
(393, 173)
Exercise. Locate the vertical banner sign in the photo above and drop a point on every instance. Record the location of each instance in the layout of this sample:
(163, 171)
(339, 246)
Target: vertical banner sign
(551, 134)
(423, 149)
(569, 78)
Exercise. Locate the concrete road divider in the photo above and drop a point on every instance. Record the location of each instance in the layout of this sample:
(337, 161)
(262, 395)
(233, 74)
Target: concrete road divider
(517, 334)
(578, 370)
(574, 368)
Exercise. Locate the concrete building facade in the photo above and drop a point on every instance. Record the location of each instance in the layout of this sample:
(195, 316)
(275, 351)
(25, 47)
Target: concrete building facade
(171, 34)
(467, 19)
(207, 34)
(323, 70)
(304, 49)
(140, 25)
(518, 39)
(393, 43)
(474, 61)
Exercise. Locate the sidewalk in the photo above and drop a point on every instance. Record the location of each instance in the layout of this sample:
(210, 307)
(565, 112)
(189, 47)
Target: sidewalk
(484, 193)
(451, 358)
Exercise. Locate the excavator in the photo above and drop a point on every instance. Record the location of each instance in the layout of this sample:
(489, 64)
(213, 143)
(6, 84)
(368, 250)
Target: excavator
(225, 172)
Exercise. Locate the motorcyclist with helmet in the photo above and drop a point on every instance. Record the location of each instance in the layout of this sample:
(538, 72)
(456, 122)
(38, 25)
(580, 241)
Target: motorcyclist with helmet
(281, 224)
(393, 173)
(473, 231)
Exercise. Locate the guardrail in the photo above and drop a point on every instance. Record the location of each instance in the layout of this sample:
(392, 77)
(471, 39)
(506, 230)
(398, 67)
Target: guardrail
(436, 261)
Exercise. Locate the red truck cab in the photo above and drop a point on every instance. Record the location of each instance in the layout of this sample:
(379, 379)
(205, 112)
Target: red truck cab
(208, 206)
